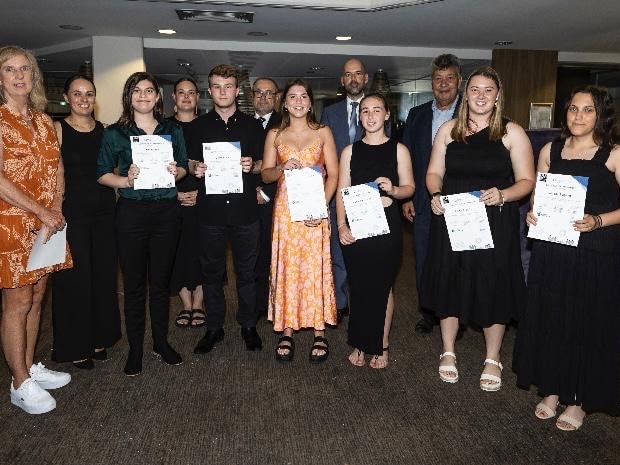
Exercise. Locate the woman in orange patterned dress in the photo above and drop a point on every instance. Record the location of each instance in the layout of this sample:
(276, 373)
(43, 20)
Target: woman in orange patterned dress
(31, 191)
(301, 285)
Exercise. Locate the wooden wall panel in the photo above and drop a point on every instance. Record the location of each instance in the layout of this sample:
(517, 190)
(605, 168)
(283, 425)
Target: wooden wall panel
(527, 76)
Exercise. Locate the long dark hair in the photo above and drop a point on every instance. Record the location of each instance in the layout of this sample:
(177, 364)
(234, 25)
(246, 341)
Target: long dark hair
(72, 79)
(286, 118)
(606, 131)
(126, 119)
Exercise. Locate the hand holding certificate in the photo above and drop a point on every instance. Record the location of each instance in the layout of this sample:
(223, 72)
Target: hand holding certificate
(306, 196)
(467, 221)
(52, 252)
(152, 154)
(365, 212)
(559, 200)
(224, 171)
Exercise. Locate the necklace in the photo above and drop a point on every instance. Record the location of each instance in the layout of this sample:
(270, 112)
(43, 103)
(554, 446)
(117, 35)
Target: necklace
(473, 127)
(81, 127)
(586, 155)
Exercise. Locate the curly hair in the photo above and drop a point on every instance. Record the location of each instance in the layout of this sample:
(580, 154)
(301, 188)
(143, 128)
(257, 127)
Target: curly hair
(36, 98)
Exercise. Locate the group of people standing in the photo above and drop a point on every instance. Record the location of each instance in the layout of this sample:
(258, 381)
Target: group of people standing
(305, 274)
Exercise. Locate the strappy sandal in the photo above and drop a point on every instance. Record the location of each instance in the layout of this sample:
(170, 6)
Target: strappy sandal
(183, 319)
(566, 423)
(544, 412)
(199, 318)
(495, 381)
(288, 356)
(320, 343)
(375, 358)
(445, 370)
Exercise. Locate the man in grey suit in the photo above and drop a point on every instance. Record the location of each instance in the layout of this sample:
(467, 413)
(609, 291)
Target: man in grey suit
(342, 118)
(421, 127)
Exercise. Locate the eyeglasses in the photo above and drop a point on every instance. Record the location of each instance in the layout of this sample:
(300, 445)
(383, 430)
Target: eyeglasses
(148, 91)
(264, 93)
(15, 70)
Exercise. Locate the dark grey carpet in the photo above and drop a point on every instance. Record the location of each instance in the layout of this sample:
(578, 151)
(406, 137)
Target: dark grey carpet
(238, 407)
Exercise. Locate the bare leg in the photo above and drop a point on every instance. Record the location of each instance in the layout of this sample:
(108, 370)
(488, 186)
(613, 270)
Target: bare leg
(449, 328)
(493, 336)
(197, 297)
(34, 319)
(381, 361)
(186, 298)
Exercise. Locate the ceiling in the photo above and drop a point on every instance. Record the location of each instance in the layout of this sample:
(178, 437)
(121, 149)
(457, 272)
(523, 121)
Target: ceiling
(398, 37)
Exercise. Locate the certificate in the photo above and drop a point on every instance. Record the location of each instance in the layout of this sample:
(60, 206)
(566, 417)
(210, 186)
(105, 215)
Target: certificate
(467, 221)
(224, 174)
(51, 253)
(559, 200)
(365, 212)
(306, 194)
(152, 154)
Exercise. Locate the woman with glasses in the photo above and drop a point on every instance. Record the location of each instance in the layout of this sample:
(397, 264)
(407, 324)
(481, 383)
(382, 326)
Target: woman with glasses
(86, 318)
(147, 217)
(482, 152)
(31, 191)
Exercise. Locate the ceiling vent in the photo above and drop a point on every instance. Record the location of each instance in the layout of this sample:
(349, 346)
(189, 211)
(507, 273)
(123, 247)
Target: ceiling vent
(218, 16)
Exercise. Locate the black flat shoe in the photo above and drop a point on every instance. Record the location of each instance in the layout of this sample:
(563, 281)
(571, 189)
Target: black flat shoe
(424, 326)
(287, 356)
(100, 355)
(87, 364)
(251, 338)
(207, 343)
(167, 354)
(320, 343)
(133, 366)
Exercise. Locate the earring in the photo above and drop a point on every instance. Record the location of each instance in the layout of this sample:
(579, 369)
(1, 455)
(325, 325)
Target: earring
(309, 109)
(175, 108)
(196, 110)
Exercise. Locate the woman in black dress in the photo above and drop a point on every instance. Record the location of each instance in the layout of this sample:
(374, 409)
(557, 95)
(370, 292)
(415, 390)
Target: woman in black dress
(373, 262)
(186, 275)
(569, 339)
(478, 151)
(86, 318)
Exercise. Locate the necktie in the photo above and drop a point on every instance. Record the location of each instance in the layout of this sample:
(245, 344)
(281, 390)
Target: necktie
(262, 121)
(353, 122)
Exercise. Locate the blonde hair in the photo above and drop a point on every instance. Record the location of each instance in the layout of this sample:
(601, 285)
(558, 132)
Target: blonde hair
(36, 98)
(497, 125)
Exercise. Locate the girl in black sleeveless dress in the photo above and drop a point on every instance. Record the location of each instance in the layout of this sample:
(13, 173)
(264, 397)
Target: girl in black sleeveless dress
(373, 262)
(86, 318)
(569, 338)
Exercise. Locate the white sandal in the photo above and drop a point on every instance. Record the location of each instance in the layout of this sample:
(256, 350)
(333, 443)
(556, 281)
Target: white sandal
(496, 381)
(445, 370)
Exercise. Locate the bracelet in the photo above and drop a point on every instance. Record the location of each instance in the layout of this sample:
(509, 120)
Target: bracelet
(436, 194)
(598, 222)
(502, 197)
(341, 225)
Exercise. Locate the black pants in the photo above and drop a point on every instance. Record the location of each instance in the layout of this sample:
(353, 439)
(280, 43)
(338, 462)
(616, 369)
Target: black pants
(85, 313)
(147, 240)
(263, 262)
(244, 243)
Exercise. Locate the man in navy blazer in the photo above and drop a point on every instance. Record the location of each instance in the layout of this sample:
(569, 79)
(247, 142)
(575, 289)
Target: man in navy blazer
(422, 124)
(338, 117)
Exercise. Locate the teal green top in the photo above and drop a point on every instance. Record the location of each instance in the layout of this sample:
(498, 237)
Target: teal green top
(115, 152)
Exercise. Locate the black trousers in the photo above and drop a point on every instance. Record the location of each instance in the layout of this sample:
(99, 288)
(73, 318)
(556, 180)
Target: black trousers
(263, 262)
(147, 234)
(244, 242)
(85, 313)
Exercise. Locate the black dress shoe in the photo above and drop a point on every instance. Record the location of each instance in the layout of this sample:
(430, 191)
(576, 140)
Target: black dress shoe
(424, 326)
(208, 341)
(133, 366)
(251, 338)
(100, 355)
(167, 354)
(341, 313)
(87, 364)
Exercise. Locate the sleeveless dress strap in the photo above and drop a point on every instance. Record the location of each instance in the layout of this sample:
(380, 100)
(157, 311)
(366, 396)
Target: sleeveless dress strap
(601, 155)
(556, 149)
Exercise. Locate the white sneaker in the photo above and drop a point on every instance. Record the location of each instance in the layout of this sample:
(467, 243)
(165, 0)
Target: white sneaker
(49, 379)
(32, 398)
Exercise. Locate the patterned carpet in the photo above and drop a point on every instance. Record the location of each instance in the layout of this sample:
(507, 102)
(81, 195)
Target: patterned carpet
(237, 407)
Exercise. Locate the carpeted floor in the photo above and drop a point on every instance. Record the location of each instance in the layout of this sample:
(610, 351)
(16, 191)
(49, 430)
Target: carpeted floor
(236, 407)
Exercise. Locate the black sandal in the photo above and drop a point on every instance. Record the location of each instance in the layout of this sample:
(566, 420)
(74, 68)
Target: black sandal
(183, 319)
(199, 318)
(320, 343)
(288, 356)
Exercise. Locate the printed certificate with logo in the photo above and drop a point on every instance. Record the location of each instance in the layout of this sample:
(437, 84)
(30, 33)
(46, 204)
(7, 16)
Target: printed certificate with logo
(152, 154)
(365, 212)
(224, 174)
(306, 193)
(467, 221)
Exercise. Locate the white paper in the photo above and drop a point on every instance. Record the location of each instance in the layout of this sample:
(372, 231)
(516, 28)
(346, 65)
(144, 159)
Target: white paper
(51, 253)
(306, 194)
(467, 221)
(365, 212)
(224, 174)
(152, 154)
(559, 200)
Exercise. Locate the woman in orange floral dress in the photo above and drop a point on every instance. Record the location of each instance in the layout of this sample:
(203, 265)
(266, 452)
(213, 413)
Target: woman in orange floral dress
(31, 191)
(301, 285)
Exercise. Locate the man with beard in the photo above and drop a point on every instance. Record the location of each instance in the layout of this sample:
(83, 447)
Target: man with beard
(343, 119)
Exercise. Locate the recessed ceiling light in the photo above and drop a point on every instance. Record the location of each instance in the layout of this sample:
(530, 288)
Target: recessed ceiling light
(343, 37)
(257, 33)
(503, 42)
(70, 27)
(317, 68)
(167, 31)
